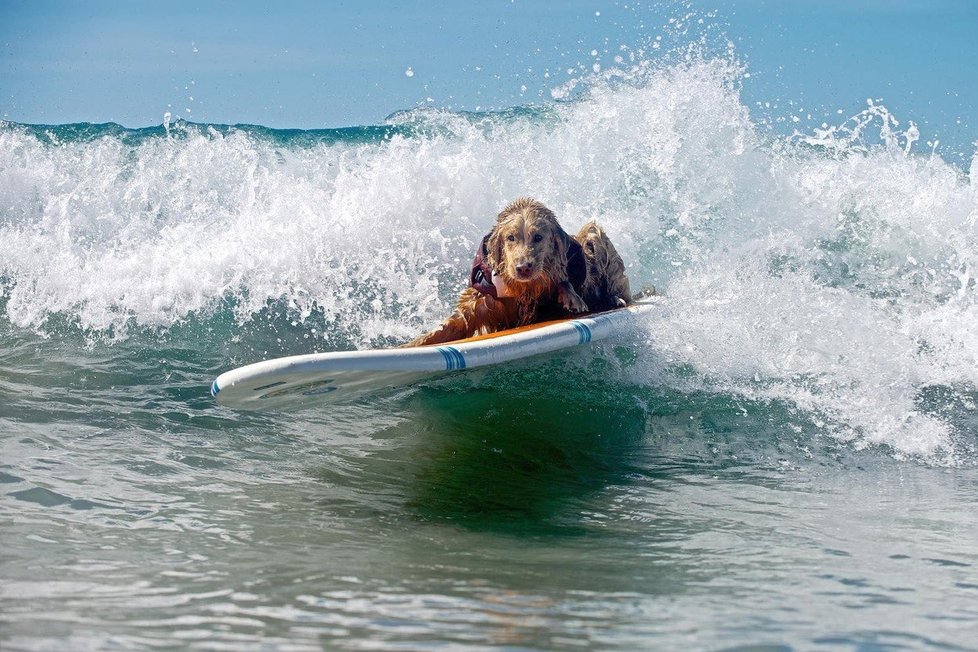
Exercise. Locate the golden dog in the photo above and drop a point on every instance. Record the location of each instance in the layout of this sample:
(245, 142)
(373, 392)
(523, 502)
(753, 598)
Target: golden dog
(528, 269)
(605, 286)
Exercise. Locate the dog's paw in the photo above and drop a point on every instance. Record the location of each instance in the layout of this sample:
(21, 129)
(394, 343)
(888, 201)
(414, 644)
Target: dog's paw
(621, 303)
(571, 301)
(575, 305)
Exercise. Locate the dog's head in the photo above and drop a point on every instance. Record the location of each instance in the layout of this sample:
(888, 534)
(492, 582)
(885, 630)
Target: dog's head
(527, 247)
(598, 250)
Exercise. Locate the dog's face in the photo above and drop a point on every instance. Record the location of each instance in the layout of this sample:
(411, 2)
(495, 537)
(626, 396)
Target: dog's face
(527, 244)
(596, 250)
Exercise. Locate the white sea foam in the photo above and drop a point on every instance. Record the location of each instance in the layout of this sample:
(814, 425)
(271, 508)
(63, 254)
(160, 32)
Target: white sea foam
(833, 271)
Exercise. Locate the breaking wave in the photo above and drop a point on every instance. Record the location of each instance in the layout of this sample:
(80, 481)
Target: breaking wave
(833, 270)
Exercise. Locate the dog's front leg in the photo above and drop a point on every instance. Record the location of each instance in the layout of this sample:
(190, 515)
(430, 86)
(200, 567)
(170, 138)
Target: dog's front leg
(569, 298)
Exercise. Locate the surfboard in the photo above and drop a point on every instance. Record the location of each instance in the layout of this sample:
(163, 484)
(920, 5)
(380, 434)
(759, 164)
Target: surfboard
(348, 375)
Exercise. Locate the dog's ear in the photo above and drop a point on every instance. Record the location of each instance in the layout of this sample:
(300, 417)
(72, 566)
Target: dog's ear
(563, 243)
(493, 248)
(560, 245)
(575, 264)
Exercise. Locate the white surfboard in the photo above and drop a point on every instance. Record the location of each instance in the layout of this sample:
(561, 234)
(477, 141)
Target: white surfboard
(342, 375)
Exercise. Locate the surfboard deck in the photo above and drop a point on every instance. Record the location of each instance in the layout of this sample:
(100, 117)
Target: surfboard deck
(346, 375)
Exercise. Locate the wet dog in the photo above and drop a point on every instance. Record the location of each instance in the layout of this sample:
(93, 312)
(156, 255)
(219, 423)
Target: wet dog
(528, 269)
(605, 284)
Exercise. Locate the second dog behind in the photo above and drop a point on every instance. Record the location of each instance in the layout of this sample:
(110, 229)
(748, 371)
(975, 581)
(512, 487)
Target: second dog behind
(605, 284)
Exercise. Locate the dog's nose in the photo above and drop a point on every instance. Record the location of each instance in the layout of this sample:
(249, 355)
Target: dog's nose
(523, 269)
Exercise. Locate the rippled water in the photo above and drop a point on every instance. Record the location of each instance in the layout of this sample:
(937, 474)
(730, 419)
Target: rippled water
(784, 457)
(507, 509)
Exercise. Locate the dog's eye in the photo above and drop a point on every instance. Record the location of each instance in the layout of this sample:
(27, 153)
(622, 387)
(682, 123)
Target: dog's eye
(511, 237)
(538, 237)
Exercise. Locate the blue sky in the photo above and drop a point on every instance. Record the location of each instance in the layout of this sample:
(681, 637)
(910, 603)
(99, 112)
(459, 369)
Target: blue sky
(330, 64)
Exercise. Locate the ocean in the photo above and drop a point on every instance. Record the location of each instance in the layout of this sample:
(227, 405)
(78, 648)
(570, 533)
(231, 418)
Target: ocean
(785, 458)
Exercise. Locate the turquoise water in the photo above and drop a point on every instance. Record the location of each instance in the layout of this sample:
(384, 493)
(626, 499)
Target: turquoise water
(785, 459)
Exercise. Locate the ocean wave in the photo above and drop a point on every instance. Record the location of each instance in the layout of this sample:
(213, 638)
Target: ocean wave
(833, 270)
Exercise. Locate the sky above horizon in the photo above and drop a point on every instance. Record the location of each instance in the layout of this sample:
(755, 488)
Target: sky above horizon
(318, 65)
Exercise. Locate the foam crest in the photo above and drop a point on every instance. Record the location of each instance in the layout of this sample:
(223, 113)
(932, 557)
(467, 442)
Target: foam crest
(123, 237)
(373, 235)
(838, 278)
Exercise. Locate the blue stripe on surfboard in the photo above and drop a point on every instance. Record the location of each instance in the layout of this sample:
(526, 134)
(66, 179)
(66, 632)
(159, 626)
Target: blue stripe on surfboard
(460, 359)
(583, 332)
(215, 388)
(448, 357)
(453, 357)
